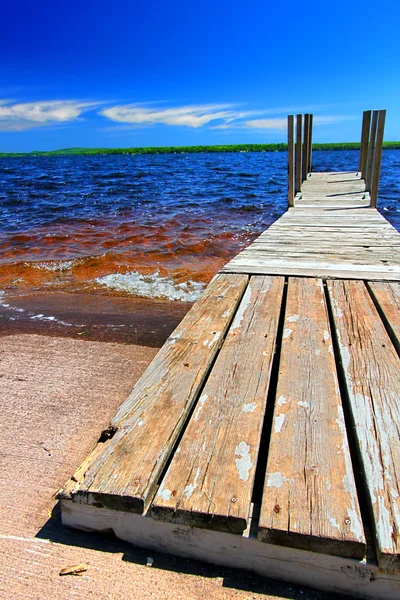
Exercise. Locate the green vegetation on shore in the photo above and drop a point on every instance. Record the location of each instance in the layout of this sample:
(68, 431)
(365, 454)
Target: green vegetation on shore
(188, 149)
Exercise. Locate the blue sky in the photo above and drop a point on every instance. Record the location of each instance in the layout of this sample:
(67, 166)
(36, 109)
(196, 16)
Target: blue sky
(129, 73)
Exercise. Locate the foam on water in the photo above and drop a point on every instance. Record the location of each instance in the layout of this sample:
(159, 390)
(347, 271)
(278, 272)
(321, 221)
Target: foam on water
(152, 286)
(55, 265)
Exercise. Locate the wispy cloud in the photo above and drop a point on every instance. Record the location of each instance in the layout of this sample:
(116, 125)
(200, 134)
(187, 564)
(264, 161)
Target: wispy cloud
(188, 116)
(27, 115)
(280, 124)
(274, 124)
(333, 119)
(20, 116)
(216, 116)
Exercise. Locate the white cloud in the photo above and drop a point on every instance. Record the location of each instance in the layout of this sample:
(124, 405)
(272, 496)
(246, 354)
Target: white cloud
(189, 116)
(275, 124)
(280, 124)
(333, 119)
(27, 115)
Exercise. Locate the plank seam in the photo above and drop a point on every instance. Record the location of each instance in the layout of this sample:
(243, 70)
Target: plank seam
(189, 415)
(384, 319)
(266, 431)
(358, 472)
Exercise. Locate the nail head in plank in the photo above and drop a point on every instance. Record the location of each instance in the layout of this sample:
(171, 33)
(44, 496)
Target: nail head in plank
(309, 498)
(124, 474)
(372, 371)
(209, 482)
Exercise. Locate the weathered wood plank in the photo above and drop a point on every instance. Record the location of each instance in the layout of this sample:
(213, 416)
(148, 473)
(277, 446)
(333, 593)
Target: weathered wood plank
(124, 473)
(387, 295)
(371, 150)
(290, 160)
(303, 271)
(366, 124)
(385, 255)
(309, 158)
(298, 149)
(209, 482)
(378, 157)
(310, 498)
(306, 141)
(372, 371)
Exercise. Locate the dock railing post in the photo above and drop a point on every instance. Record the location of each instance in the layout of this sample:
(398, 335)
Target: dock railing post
(299, 119)
(376, 165)
(366, 125)
(306, 140)
(371, 150)
(290, 161)
(309, 158)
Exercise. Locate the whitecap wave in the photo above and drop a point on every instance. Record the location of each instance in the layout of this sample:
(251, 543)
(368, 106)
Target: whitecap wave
(55, 265)
(152, 286)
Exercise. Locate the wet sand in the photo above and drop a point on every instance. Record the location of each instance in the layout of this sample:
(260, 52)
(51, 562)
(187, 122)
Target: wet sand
(57, 395)
(92, 317)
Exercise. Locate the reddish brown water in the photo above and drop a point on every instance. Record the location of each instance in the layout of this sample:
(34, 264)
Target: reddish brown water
(71, 256)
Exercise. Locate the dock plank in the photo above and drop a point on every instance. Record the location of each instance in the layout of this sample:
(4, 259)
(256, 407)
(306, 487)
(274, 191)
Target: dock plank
(309, 499)
(371, 368)
(387, 295)
(209, 482)
(122, 473)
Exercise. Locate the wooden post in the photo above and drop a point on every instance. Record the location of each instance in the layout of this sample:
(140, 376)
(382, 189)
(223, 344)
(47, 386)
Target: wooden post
(371, 150)
(376, 169)
(305, 147)
(366, 125)
(309, 163)
(290, 161)
(298, 153)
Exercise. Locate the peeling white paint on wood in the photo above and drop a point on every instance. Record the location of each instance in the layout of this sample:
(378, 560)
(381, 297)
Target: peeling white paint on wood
(199, 408)
(279, 422)
(304, 404)
(215, 338)
(243, 464)
(293, 318)
(242, 309)
(249, 407)
(189, 489)
(276, 480)
(164, 493)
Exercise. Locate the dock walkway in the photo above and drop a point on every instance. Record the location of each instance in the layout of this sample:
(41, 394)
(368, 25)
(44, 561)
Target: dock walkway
(266, 432)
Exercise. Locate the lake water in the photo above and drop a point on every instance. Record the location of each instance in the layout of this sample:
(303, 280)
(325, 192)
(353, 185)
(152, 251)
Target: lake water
(155, 226)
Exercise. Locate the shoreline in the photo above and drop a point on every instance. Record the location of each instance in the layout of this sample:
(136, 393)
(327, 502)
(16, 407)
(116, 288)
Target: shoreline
(95, 318)
(280, 147)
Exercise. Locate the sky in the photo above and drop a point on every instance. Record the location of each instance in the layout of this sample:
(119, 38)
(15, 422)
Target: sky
(125, 73)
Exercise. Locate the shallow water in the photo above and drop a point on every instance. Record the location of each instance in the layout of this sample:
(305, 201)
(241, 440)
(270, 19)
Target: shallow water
(150, 225)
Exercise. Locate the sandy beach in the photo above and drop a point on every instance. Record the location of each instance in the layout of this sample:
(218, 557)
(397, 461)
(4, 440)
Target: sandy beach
(59, 394)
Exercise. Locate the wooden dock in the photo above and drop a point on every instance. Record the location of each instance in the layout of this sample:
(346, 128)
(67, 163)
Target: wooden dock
(265, 434)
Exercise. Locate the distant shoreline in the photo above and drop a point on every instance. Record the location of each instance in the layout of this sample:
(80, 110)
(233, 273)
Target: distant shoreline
(191, 149)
